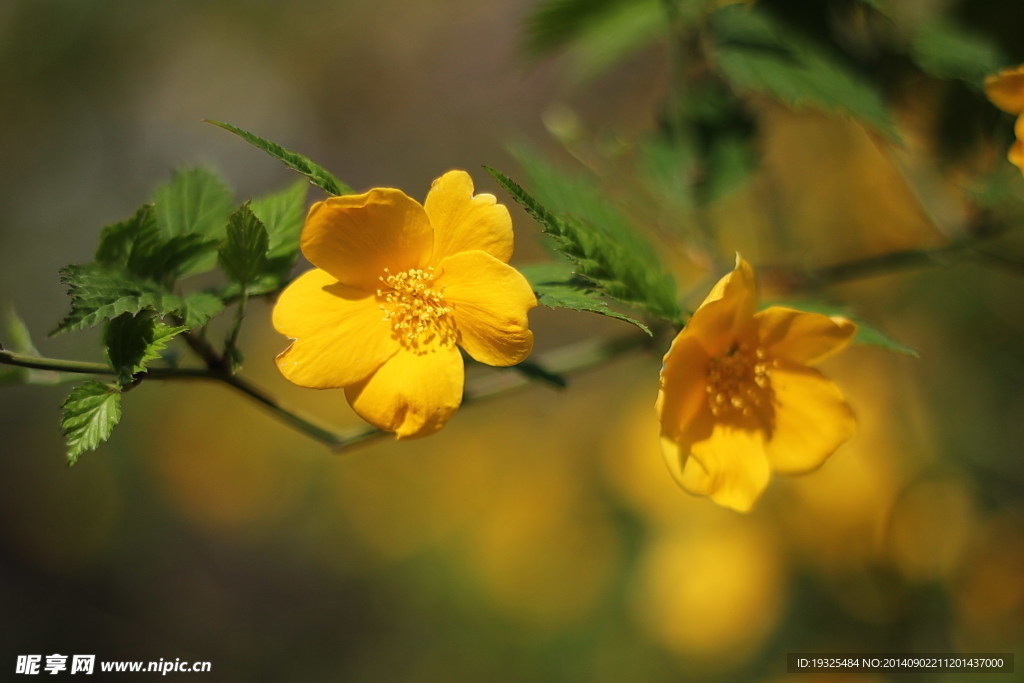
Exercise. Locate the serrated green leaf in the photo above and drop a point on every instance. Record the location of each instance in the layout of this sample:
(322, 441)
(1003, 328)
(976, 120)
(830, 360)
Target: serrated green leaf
(199, 307)
(946, 50)
(597, 239)
(132, 341)
(120, 240)
(317, 175)
(283, 214)
(198, 202)
(88, 416)
(566, 295)
(757, 53)
(165, 261)
(101, 293)
(555, 288)
(243, 255)
(138, 246)
(268, 283)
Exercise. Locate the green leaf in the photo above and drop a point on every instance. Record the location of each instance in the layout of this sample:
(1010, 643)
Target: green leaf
(869, 335)
(568, 295)
(88, 416)
(945, 50)
(138, 246)
(100, 293)
(16, 337)
(866, 335)
(197, 308)
(120, 240)
(555, 23)
(196, 201)
(556, 288)
(165, 261)
(317, 175)
(600, 33)
(283, 214)
(243, 255)
(757, 53)
(132, 341)
(596, 238)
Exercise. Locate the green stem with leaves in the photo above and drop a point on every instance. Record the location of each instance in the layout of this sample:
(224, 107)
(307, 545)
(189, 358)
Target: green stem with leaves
(286, 415)
(554, 364)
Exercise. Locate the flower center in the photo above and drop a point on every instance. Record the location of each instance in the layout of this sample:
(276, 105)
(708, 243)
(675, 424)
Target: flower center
(418, 313)
(738, 383)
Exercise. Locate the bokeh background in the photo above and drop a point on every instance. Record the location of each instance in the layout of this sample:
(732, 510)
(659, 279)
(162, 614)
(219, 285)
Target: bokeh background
(539, 536)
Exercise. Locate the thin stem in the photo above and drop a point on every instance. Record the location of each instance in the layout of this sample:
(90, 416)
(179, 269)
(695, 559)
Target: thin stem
(24, 361)
(566, 360)
(286, 415)
(796, 278)
(325, 436)
(231, 346)
(202, 348)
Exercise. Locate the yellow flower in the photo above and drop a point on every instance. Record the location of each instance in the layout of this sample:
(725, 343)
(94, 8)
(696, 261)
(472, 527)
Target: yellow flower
(1006, 90)
(737, 399)
(398, 287)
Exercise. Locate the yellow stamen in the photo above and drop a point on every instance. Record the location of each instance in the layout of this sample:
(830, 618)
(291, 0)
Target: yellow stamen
(419, 314)
(739, 382)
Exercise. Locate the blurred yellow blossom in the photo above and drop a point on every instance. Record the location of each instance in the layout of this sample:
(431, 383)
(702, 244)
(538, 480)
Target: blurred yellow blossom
(398, 287)
(713, 593)
(1006, 90)
(737, 399)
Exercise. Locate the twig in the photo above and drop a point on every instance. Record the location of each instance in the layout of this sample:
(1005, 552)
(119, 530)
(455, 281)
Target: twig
(797, 278)
(286, 415)
(568, 359)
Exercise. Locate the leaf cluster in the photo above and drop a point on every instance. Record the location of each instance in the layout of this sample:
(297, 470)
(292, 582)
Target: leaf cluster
(135, 286)
(852, 58)
(603, 264)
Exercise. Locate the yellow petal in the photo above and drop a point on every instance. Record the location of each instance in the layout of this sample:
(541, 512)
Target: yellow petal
(340, 333)
(489, 300)
(729, 465)
(801, 337)
(727, 314)
(355, 237)
(1016, 154)
(1006, 89)
(412, 394)
(463, 222)
(681, 393)
(811, 419)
